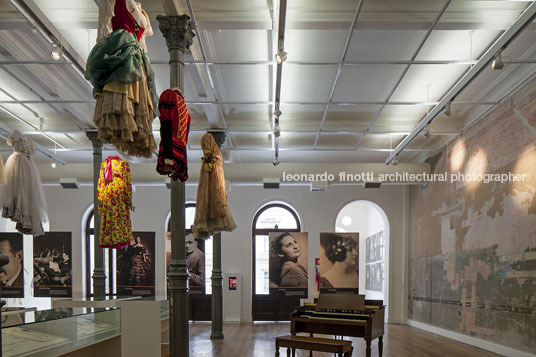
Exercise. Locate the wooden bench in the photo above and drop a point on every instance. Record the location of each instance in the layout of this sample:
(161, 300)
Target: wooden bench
(293, 342)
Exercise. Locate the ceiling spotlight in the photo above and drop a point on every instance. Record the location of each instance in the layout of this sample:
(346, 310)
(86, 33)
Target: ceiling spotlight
(280, 56)
(53, 164)
(426, 131)
(447, 111)
(275, 162)
(497, 61)
(395, 160)
(56, 52)
(277, 113)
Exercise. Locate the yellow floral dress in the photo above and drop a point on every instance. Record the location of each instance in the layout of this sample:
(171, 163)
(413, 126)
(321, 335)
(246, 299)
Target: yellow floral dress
(114, 194)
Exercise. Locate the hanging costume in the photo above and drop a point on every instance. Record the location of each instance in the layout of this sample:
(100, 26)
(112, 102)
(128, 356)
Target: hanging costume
(23, 200)
(174, 129)
(114, 194)
(123, 80)
(3, 179)
(212, 214)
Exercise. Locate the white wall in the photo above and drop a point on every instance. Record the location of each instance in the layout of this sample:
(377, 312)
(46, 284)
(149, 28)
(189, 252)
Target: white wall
(317, 211)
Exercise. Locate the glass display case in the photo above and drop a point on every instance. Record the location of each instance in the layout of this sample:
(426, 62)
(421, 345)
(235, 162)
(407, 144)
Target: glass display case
(56, 331)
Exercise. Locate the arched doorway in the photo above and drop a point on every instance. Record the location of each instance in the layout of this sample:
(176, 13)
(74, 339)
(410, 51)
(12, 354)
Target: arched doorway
(372, 224)
(270, 304)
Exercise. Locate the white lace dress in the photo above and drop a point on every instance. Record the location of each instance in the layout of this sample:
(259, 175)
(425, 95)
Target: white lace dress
(23, 200)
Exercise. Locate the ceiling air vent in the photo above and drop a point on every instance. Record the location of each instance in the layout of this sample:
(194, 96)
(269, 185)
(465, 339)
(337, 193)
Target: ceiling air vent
(271, 182)
(372, 184)
(319, 186)
(69, 183)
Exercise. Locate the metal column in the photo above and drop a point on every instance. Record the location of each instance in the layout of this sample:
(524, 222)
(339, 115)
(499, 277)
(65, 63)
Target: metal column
(217, 277)
(99, 277)
(178, 35)
(217, 289)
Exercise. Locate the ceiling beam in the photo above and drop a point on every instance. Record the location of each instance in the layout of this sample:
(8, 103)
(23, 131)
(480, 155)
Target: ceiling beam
(193, 130)
(39, 20)
(339, 70)
(413, 57)
(519, 25)
(5, 132)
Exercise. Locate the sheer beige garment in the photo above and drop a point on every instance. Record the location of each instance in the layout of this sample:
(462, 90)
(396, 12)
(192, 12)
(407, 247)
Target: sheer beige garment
(212, 214)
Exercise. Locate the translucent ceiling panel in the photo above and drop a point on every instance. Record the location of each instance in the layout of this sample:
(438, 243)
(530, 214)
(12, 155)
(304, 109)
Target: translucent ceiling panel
(252, 140)
(315, 45)
(337, 141)
(400, 117)
(307, 83)
(381, 142)
(427, 83)
(350, 117)
(241, 83)
(238, 45)
(383, 45)
(456, 44)
(248, 117)
(296, 141)
(366, 82)
(301, 116)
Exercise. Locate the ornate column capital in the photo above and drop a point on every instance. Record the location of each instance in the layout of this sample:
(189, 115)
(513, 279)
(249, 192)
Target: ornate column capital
(176, 31)
(93, 136)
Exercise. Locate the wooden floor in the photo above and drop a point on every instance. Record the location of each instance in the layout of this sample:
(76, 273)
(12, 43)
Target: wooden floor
(258, 340)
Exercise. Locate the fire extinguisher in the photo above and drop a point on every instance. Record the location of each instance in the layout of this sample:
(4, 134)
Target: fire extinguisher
(317, 270)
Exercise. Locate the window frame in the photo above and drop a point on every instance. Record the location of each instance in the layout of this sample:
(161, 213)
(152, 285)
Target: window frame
(265, 231)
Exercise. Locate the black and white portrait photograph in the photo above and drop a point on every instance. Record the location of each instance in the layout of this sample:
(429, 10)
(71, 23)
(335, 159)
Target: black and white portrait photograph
(52, 265)
(288, 259)
(135, 266)
(339, 260)
(195, 258)
(12, 274)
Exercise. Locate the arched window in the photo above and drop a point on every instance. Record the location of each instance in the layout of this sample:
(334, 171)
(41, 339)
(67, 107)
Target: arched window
(108, 256)
(274, 217)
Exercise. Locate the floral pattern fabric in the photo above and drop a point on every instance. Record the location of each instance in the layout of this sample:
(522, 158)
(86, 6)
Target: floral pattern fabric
(114, 194)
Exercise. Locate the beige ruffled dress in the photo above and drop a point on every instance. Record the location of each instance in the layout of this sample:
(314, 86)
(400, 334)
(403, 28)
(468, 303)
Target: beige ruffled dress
(212, 214)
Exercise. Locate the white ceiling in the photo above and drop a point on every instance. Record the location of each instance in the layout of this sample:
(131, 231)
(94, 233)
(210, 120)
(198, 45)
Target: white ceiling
(356, 116)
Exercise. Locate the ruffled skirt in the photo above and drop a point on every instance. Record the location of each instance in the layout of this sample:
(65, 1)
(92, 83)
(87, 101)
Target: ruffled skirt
(23, 200)
(123, 116)
(207, 227)
(124, 88)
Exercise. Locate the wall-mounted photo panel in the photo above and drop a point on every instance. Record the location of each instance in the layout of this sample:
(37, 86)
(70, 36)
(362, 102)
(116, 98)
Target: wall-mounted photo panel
(135, 266)
(339, 261)
(12, 275)
(288, 260)
(52, 265)
(195, 259)
(374, 277)
(375, 247)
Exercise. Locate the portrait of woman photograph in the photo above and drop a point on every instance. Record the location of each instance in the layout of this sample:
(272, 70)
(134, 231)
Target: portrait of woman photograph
(339, 260)
(288, 260)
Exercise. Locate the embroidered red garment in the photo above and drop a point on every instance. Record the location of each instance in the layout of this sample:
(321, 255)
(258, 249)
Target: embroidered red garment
(124, 20)
(174, 128)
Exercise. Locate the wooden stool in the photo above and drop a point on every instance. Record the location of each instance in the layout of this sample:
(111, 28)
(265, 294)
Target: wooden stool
(293, 342)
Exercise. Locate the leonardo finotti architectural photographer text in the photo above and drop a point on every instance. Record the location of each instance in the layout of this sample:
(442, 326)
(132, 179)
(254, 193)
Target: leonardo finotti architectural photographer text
(404, 177)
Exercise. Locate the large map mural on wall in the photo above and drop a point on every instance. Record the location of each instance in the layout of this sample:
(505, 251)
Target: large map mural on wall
(473, 245)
